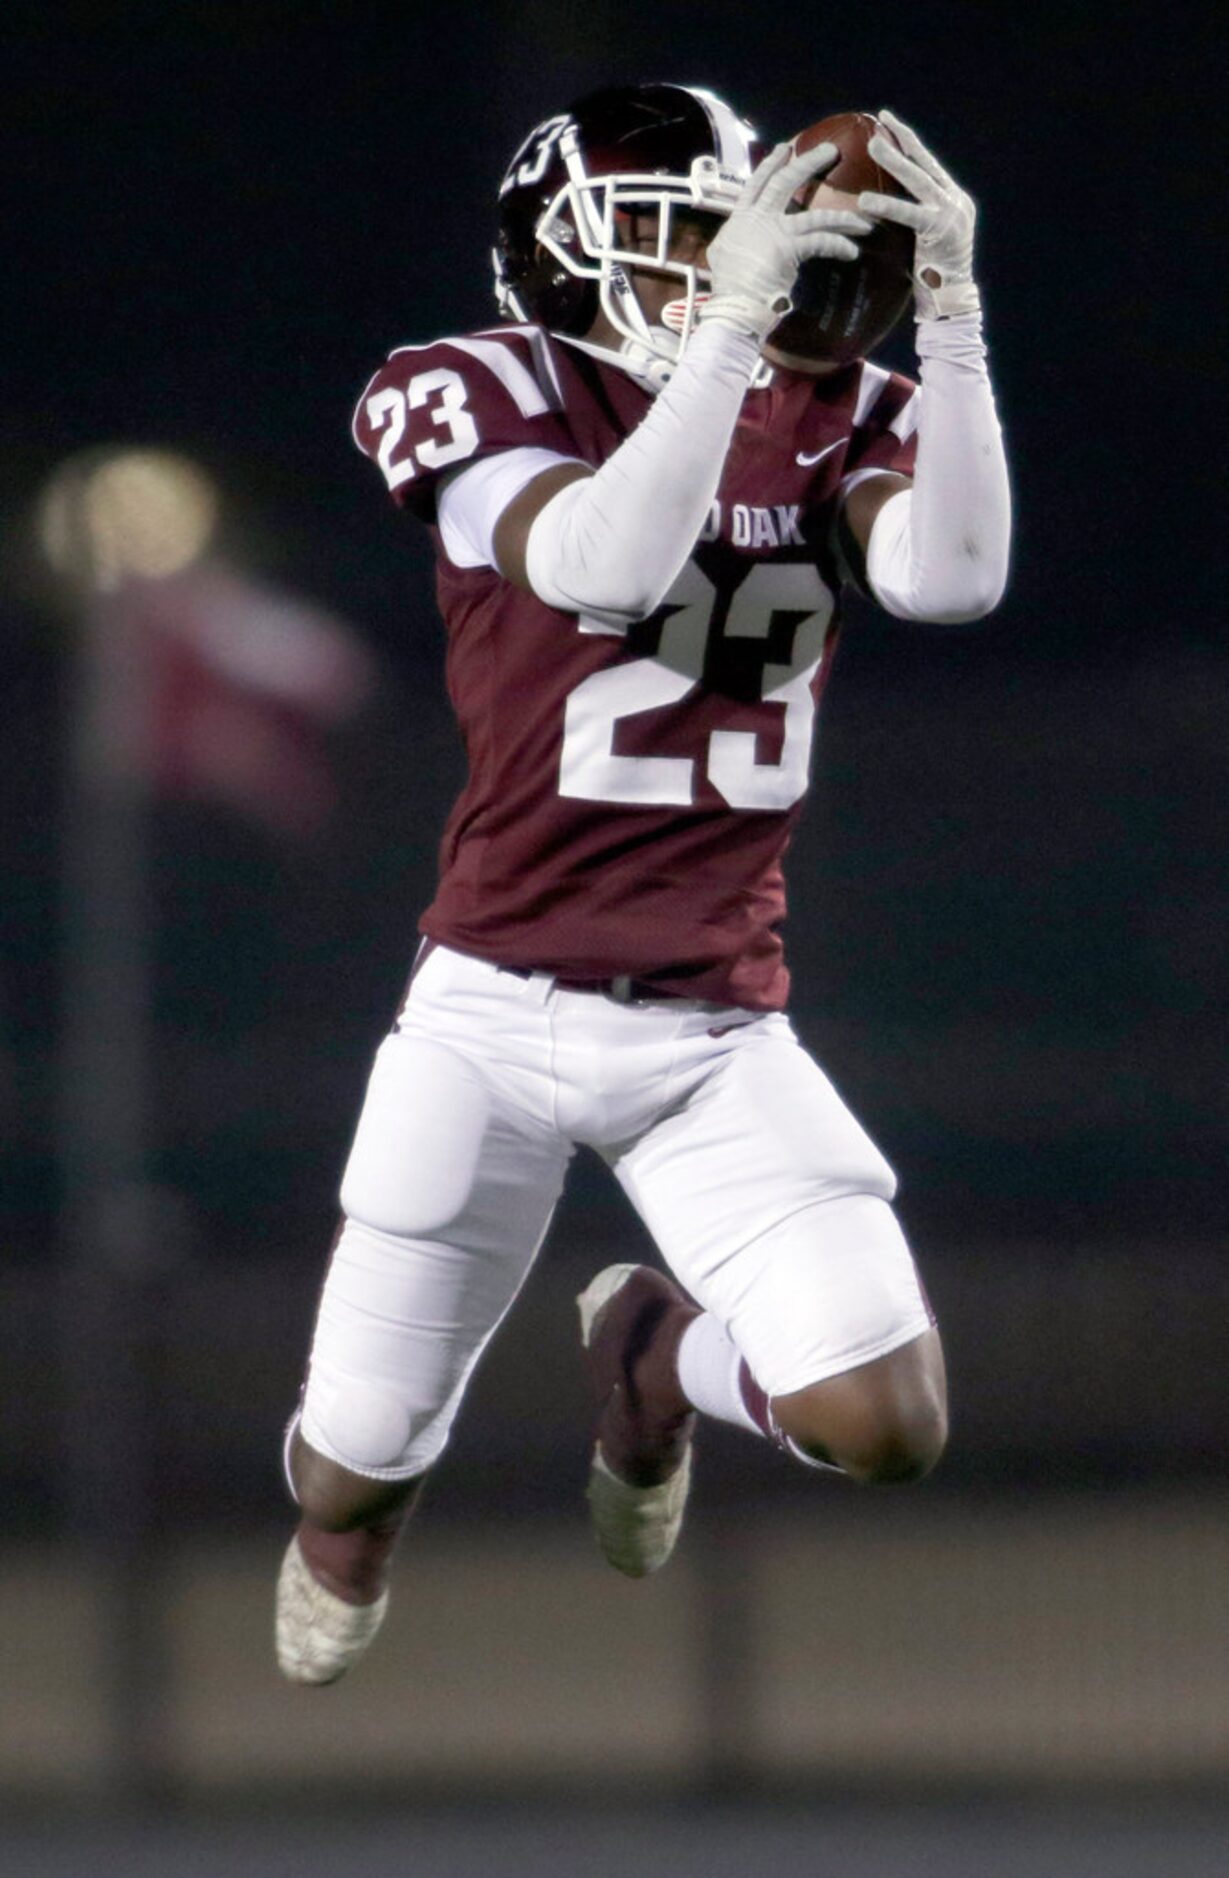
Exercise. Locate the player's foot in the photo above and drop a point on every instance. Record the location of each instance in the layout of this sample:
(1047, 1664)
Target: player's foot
(631, 1320)
(319, 1635)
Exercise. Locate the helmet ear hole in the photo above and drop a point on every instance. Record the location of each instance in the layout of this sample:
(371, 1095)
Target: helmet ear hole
(540, 289)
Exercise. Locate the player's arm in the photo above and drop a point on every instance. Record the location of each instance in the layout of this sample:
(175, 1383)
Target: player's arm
(937, 549)
(512, 529)
(609, 544)
(864, 501)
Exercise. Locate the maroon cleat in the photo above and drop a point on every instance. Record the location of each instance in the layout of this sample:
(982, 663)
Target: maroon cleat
(631, 1320)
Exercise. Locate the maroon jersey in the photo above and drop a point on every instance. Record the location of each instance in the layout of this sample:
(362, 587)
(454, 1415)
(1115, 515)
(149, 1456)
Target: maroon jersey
(631, 795)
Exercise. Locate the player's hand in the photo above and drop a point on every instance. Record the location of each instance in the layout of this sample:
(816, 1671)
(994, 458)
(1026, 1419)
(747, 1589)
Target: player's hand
(941, 216)
(755, 256)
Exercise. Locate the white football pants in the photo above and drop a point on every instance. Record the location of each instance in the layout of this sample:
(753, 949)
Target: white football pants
(768, 1201)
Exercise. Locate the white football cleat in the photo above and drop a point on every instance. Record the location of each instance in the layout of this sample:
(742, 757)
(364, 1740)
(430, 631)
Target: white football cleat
(640, 1474)
(318, 1634)
(636, 1528)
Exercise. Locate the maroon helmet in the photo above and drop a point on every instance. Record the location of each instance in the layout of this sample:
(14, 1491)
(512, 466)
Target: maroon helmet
(573, 187)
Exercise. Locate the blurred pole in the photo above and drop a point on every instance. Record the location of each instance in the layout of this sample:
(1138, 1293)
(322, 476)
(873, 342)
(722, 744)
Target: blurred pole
(107, 1228)
(725, 1643)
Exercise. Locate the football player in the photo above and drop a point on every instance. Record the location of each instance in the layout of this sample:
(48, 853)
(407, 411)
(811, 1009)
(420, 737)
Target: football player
(643, 520)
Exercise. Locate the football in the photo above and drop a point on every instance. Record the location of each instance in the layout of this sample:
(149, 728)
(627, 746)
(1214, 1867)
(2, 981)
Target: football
(842, 309)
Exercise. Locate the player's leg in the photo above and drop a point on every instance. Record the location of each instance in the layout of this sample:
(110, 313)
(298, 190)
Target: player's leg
(403, 1321)
(447, 1196)
(657, 1360)
(333, 1588)
(803, 1318)
(882, 1421)
(633, 1320)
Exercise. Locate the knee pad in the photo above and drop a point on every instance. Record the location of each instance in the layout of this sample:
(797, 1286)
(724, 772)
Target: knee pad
(361, 1425)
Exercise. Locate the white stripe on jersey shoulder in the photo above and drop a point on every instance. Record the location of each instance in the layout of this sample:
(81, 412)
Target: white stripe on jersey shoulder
(870, 389)
(540, 351)
(528, 392)
(904, 423)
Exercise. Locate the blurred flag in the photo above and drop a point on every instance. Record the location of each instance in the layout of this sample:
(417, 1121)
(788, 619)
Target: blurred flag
(192, 679)
(228, 691)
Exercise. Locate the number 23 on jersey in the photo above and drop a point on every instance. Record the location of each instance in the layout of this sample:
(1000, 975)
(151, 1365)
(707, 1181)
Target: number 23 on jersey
(591, 769)
(442, 392)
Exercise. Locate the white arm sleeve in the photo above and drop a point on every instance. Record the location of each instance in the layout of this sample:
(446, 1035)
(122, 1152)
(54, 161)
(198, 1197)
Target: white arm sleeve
(472, 499)
(609, 546)
(939, 551)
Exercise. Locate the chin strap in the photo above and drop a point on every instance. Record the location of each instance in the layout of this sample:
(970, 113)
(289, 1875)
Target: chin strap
(645, 364)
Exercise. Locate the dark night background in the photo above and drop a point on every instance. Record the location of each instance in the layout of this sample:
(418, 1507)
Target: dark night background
(1009, 895)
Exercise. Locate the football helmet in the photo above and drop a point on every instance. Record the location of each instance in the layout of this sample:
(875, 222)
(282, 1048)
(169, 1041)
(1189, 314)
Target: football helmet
(573, 199)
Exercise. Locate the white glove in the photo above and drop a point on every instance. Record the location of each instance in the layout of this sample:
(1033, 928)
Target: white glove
(757, 253)
(942, 218)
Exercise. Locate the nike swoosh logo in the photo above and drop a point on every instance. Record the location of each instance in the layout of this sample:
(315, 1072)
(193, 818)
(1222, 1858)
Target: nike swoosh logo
(725, 1029)
(805, 462)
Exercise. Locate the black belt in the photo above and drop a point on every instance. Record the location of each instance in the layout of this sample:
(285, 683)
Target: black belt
(623, 989)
